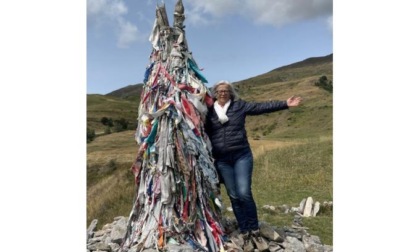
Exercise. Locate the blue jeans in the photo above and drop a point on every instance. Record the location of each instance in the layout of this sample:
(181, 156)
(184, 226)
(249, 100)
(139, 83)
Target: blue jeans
(235, 169)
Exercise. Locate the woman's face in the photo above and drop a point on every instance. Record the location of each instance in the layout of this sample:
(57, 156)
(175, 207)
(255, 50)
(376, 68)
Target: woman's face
(223, 94)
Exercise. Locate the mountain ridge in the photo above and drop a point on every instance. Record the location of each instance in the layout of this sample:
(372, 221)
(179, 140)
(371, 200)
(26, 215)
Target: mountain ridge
(135, 89)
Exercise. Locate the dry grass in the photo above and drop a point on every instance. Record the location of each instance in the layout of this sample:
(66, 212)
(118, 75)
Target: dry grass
(260, 147)
(120, 147)
(110, 187)
(111, 196)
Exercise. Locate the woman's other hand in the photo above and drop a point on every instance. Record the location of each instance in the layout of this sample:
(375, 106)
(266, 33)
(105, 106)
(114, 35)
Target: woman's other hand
(294, 101)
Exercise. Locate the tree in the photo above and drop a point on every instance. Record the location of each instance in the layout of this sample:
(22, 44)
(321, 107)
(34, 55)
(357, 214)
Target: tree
(107, 121)
(104, 120)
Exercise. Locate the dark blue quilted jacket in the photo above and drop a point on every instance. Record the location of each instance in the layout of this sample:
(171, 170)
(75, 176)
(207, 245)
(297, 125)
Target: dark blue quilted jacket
(231, 135)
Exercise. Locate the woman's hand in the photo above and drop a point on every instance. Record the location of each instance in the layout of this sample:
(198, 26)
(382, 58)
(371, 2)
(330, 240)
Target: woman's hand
(294, 101)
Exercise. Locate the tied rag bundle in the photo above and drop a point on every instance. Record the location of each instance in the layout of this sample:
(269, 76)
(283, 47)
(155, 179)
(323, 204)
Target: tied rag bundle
(177, 193)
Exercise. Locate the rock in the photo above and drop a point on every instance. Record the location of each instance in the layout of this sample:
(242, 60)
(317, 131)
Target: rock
(95, 239)
(285, 208)
(285, 239)
(119, 230)
(91, 228)
(328, 248)
(133, 249)
(114, 247)
(308, 207)
(292, 244)
(99, 246)
(231, 246)
(268, 207)
(295, 209)
(260, 243)
(108, 226)
(237, 239)
(100, 233)
(297, 221)
(269, 233)
(302, 206)
(312, 244)
(274, 247)
(315, 209)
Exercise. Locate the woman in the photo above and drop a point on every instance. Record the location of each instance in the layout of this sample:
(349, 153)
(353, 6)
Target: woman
(225, 126)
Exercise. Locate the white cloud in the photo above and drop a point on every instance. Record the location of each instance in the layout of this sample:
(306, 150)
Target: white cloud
(217, 8)
(266, 12)
(107, 8)
(112, 12)
(128, 33)
(200, 12)
(330, 23)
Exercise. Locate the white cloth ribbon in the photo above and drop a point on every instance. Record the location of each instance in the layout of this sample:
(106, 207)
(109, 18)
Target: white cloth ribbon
(221, 111)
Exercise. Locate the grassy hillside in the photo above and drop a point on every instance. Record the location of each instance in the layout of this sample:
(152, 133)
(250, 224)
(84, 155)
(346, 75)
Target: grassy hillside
(312, 119)
(99, 106)
(292, 148)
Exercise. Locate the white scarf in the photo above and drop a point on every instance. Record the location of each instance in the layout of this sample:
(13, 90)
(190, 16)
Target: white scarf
(221, 111)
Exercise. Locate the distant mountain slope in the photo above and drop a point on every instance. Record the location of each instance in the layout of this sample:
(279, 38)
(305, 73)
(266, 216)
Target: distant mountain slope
(125, 92)
(308, 62)
(308, 67)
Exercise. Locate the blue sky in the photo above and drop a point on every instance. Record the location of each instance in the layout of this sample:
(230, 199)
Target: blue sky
(231, 40)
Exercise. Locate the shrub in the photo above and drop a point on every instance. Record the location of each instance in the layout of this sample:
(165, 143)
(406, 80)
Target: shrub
(107, 121)
(324, 83)
(120, 125)
(90, 135)
(107, 130)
